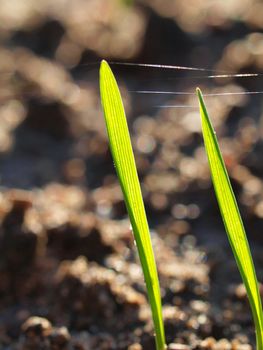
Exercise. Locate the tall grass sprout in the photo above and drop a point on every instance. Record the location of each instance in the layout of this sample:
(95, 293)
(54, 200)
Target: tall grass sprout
(121, 149)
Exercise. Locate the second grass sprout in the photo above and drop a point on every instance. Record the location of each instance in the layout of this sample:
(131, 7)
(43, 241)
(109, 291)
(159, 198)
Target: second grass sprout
(232, 219)
(121, 149)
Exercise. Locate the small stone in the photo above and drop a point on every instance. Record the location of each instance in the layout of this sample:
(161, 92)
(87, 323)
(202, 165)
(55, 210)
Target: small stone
(178, 346)
(240, 291)
(36, 326)
(135, 346)
(208, 343)
(222, 344)
(237, 346)
(35, 334)
(59, 338)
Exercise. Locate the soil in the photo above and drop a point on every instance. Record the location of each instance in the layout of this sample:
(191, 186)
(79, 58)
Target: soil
(70, 277)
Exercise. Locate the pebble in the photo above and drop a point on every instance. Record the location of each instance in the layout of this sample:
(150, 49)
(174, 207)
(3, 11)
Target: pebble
(208, 343)
(135, 346)
(178, 346)
(59, 338)
(36, 326)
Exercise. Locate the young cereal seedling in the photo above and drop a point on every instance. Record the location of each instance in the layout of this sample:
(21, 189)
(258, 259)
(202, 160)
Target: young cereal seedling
(123, 157)
(121, 149)
(232, 220)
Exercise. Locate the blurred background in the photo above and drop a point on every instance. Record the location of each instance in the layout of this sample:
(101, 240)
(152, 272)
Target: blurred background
(69, 271)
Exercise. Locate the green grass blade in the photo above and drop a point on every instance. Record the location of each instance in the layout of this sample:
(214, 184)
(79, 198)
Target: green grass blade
(232, 219)
(123, 157)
